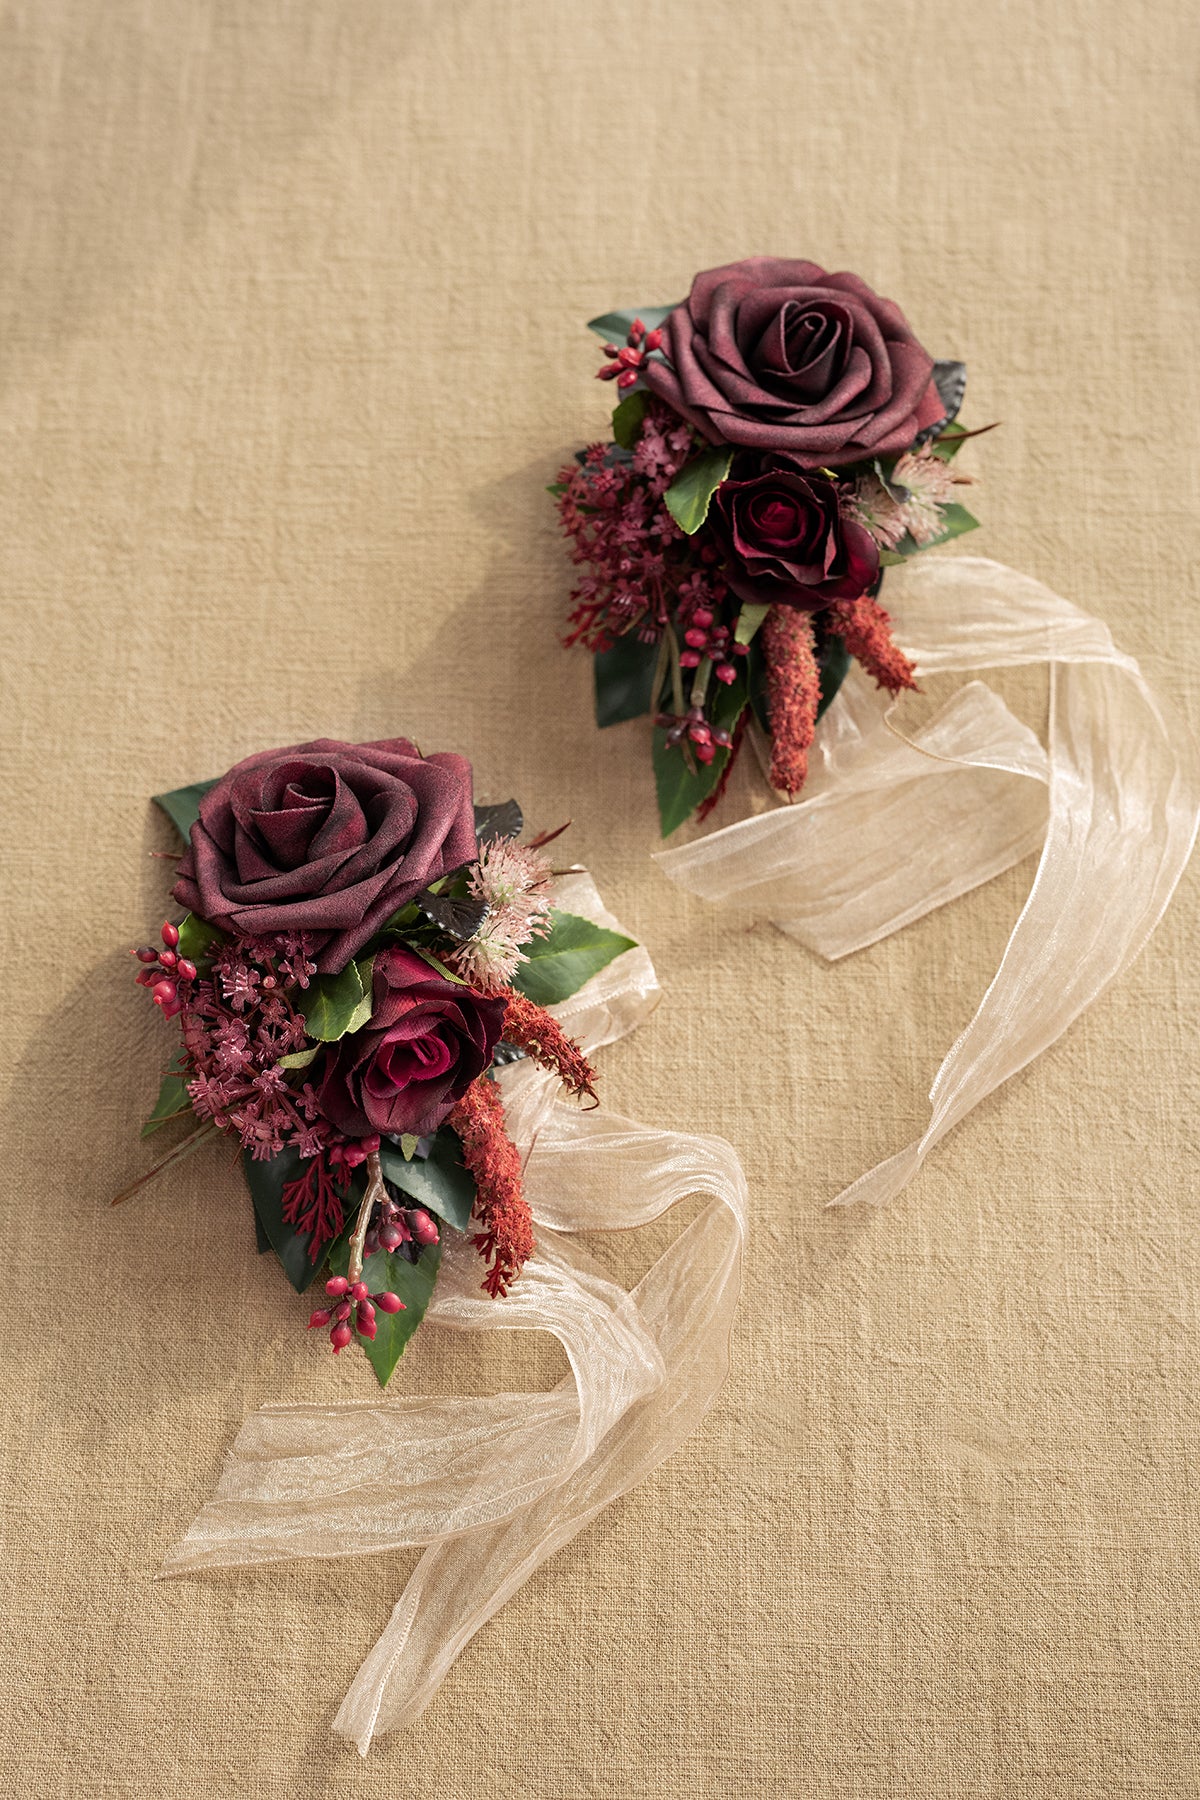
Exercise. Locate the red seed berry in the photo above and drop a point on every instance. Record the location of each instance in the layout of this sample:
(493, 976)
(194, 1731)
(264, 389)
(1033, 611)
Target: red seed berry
(168, 959)
(339, 1337)
(358, 1291)
(689, 659)
(703, 615)
(371, 1143)
(145, 954)
(322, 1316)
(341, 1311)
(700, 733)
(627, 379)
(163, 993)
(353, 1155)
(696, 638)
(423, 1228)
(170, 935)
(364, 1314)
(337, 1284)
(654, 338)
(391, 1235)
(637, 329)
(725, 672)
(705, 752)
(610, 349)
(629, 358)
(389, 1302)
(367, 1328)
(185, 969)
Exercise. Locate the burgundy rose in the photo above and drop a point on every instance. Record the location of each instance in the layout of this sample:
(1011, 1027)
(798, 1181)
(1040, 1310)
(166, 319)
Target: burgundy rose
(327, 838)
(426, 1041)
(786, 536)
(776, 354)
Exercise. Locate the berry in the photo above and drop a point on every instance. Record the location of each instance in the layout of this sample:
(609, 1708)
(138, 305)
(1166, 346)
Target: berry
(185, 969)
(337, 1284)
(170, 935)
(358, 1291)
(725, 672)
(389, 1302)
(339, 1337)
(423, 1228)
(627, 379)
(702, 616)
(145, 954)
(654, 338)
(321, 1317)
(163, 992)
(370, 1144)
(341, 1311)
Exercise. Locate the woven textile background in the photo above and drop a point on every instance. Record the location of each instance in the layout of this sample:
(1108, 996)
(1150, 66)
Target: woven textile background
(291, 306)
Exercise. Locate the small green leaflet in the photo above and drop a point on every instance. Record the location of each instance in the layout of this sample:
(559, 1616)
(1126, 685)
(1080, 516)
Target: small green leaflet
(438, 1181)
(558, 965)
(197, 938)
(682, 788)
(408, 1145)
(624, 678)
(749, 619)
(615, 325)
(182, 805)
(413, 1282)
(443, 971)
(949, 440)
(627, 419)
(690, 493)
(300, 1059)
(336, 1004)
(172, 1103)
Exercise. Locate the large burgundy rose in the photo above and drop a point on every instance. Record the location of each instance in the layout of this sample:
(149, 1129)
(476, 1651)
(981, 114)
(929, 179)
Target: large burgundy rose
(776, 354)
(327, 838)
(426, 1041)
(786, 536)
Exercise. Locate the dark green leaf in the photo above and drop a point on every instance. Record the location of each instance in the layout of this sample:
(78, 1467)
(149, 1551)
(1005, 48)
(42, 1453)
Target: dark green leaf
(197, 938)
(955, 521)
(627, 418)
(690, 493)
(558, 965)
(614, 326)
(458, 918)
(413, 1282)
(503, 820)
(172, 1103)
(332, 1004)
(624, 678)
(949, 440)
(438, 1181)
(182, 805)
(681, 787)
(266, 1181)
(835, 665)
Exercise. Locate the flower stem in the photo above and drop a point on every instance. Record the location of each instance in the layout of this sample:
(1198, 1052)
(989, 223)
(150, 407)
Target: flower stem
(189, 1144)
(375, 1192)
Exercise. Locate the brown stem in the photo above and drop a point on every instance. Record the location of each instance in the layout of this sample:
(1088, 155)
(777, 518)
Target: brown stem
(375, 1192)
(184, 1149)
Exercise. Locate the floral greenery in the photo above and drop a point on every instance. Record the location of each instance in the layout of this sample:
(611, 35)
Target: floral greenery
(264, 1034)
(666, 519)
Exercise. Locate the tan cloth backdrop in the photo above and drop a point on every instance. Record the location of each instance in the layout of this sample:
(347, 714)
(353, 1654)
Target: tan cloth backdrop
(291, 307)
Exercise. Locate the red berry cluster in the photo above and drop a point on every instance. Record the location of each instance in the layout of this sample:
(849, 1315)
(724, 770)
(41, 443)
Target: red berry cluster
(706, 636)
(351, 1297)
(401, 1229)
(628, 361)
(164, 971)
(705, 739)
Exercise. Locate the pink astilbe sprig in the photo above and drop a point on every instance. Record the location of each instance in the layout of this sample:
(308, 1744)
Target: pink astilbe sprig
(866, 630)
(638, 560)
(513, 880)
(793, 693)
(506, 1238)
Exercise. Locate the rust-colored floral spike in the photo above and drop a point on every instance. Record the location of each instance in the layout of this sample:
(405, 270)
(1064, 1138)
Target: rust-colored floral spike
(866, 631)
(506, 1240)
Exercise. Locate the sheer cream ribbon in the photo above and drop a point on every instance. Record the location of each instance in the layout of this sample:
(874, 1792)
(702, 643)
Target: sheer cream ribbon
(493, 1486)
(889, 829)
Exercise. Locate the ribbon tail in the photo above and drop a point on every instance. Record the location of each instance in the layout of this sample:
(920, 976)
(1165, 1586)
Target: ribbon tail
(686, 1302)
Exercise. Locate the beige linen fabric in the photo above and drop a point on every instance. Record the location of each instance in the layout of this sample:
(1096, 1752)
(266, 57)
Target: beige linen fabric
(291, 303)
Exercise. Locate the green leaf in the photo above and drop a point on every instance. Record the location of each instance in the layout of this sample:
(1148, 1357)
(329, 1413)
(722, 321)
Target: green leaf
(891, 559)
(627, 419)
(408, 1145)
(681, 787)
(413, 1282)
(624, 678)
(173, 1101)
(949, 440)
(749, 619)
(182, 805)
(835, 665)
(197, 938)
(439, 1181)
(299, 1059)
(557, 966)
(333, 1003)
(266, 1181)
(615, 325)
(690, 493)
(955, 521)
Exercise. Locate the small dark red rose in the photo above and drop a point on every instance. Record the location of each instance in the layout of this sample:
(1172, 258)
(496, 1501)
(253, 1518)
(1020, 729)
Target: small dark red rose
(426, 1041)
(775, 354)
(326, 838)
(786, 537)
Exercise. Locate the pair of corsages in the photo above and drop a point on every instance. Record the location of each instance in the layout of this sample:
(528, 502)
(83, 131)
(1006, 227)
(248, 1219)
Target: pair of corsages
(362, 946)
(781, 439)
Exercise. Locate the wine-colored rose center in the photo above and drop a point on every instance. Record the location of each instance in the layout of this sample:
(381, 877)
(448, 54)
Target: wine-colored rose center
(779, 518)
